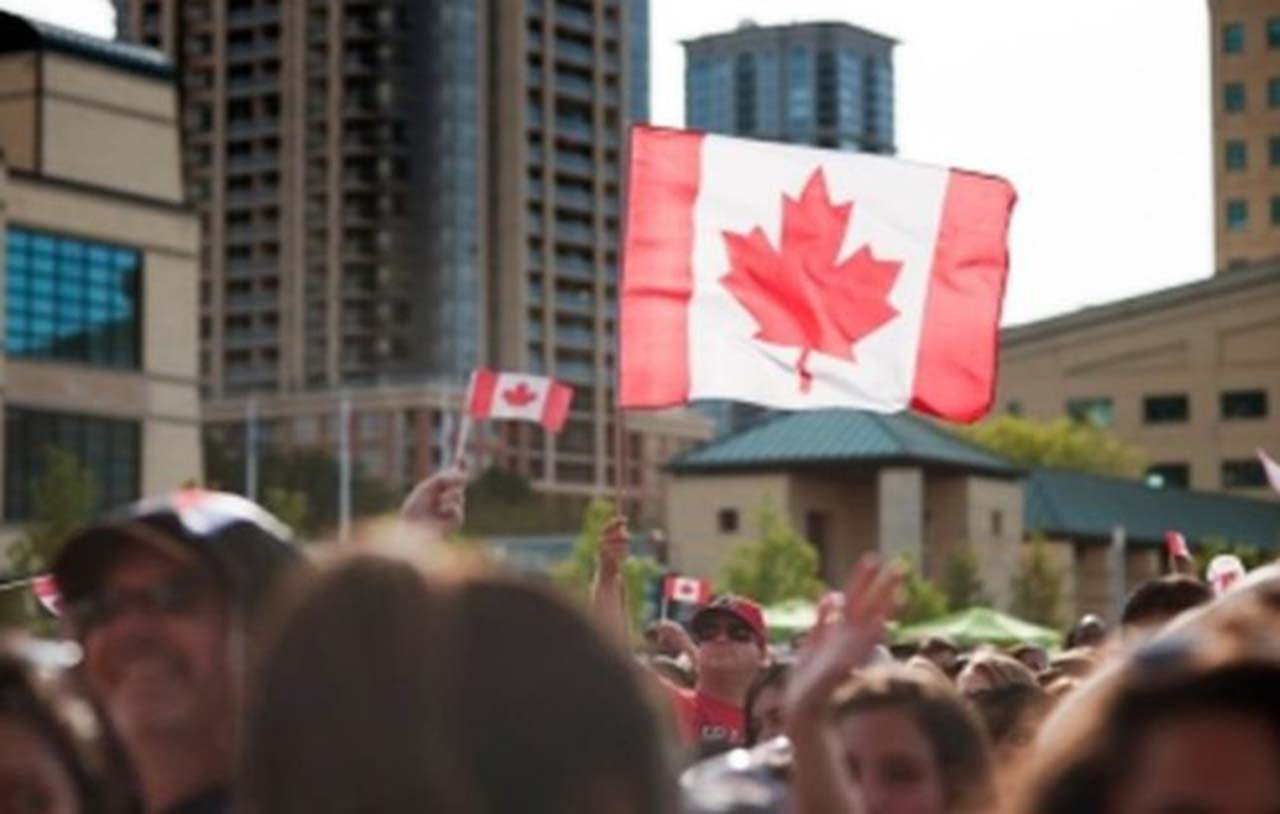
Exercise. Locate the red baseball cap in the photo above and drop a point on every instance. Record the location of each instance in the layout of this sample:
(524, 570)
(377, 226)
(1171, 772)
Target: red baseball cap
(737, 606)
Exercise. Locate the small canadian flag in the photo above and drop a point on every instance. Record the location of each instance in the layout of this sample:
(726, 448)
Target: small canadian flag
(1176, 543)
(802, 278)
(687, 589)
(1271, 468)
(519, 397)
(47, 593)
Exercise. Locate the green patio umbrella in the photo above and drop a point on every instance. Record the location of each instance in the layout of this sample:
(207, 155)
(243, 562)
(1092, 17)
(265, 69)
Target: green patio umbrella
(981, 626)
(790, 617)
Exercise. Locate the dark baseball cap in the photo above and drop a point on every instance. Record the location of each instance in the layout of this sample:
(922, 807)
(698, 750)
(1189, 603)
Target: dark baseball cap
(242, 544)
(739, 607)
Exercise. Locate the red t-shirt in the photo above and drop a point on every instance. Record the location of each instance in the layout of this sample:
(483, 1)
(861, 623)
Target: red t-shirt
(703, 719)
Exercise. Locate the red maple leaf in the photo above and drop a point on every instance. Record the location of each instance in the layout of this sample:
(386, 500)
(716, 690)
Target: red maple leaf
(519, 396)
(800, 295)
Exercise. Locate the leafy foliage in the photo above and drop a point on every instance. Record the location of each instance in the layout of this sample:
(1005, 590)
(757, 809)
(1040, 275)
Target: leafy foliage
(501, 502)
(1062, 443)
(922, 601)
(780, 565)
(310, 473)
(577, 572)
(962, 580)
(1037, 587)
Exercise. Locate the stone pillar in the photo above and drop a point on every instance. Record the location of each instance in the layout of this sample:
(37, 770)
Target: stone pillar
(900, 514)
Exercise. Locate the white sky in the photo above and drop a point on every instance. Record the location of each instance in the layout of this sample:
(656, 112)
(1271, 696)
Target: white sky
(1097, 110)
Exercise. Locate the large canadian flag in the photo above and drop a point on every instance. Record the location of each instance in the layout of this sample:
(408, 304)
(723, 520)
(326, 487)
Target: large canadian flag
(519, 396)
(799, 278)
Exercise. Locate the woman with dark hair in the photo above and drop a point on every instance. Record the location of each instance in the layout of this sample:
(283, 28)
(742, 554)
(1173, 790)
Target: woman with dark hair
(386, 689)
(891, 738)
(1008, 700)
(1188, 722)
(56, 755)
(763, 710)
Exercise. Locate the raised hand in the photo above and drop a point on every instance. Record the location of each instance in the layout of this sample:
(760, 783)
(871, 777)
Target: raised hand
(615, 545)
(439, 502)
(849, 627)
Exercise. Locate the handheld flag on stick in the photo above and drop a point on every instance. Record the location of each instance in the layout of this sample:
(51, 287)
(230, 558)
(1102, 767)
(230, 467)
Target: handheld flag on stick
(800, 278)
(514, 397)
(686, 589)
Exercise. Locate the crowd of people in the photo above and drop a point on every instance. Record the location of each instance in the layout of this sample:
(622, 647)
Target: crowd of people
(210, 666)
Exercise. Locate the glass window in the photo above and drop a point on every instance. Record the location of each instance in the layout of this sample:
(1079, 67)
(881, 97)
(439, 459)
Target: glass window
(108, 448)
(1097, 412)
(1237, 156)
(1237, 215)
(1165, 409)
(72, 300)
(1275, 210)
(1169, 476)
(1243, 473)
(1233, 38)
(1274, 150)
(1273, 32)
(727, 521)
(1244, 404)
(1233, 97)
(1273, 92)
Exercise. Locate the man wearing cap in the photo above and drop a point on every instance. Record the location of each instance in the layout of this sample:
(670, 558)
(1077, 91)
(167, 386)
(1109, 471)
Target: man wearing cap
(160, 597)
(727, 647)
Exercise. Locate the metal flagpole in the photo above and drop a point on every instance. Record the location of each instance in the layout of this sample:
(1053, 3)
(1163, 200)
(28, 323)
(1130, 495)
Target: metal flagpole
(251, 448)
(344, 466)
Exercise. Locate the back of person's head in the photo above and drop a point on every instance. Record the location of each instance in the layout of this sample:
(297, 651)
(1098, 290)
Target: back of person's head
(1089, 631)
(385, 689)
(989, 669)
(1158, 601)
(959, 747)
(1183, 720)
(56, 751)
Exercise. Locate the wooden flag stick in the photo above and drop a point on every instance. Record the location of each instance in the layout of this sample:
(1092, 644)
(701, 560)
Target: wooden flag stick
(619, 460)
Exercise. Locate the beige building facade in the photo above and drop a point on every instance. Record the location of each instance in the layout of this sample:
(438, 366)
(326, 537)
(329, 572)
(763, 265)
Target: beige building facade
(1245, 56)
(1190, 374)
(100, 267)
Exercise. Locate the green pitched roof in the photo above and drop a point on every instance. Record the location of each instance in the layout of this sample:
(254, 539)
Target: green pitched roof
(18, 33)
(834, 437)
(1076, 504)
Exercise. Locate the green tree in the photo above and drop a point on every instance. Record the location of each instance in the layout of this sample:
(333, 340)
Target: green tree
(577, 572)
(780, 565)
(63, 499)
(962, 580)
(310, 472)
(1062, 443)
(501, 502)
(1037, 587)
(290, 506)
(922, 601)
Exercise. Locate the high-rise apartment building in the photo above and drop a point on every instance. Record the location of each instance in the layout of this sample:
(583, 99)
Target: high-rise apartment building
(395, 192)
(1245, 52)
(828, 84)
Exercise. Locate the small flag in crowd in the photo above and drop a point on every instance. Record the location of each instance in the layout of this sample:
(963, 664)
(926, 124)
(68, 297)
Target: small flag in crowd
(686, 589)
(801, 278)
(1224, 571)
(519, 397)
(47, 594)
(1272, 469)
(1176, 543)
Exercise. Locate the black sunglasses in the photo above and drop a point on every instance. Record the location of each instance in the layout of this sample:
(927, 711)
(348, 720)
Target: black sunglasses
(709, 629)
(179, 595)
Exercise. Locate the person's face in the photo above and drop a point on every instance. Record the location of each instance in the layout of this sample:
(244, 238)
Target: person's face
(32, 778)
(1175, 772)
(727, 645)
(766, 714)
(893, 763)
(156, 648)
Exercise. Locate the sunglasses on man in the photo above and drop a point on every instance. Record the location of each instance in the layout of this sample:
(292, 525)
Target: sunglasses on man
(710, 629)
(178, 596)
